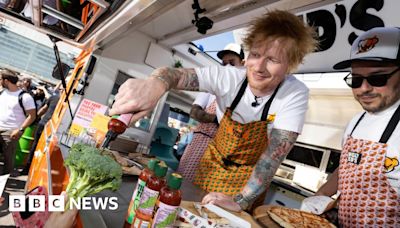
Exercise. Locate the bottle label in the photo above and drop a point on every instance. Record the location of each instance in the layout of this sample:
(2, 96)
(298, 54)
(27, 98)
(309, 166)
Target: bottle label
(135, 201)
(125, 118)
(165, 216)
(138, 223)
(148, 201)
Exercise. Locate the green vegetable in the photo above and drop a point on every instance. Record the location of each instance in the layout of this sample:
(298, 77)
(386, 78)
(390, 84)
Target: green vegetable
(91, 172)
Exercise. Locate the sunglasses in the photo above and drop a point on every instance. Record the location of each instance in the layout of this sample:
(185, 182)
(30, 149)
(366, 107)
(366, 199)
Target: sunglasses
(377, 80)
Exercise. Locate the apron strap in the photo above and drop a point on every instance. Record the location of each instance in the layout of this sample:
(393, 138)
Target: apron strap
(239, 95)
(268, 104)
(358, 121)
(391, 126)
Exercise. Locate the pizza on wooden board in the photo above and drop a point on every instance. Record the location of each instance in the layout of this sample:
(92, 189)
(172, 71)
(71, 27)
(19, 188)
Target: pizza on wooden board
(291, 218)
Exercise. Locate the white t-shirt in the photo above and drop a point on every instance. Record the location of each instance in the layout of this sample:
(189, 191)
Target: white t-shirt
(11, 114)
(204, 100)
(289, 105)
(371, 128)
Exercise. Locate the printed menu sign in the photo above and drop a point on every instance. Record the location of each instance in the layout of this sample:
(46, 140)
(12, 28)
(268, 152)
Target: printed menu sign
(87, 112)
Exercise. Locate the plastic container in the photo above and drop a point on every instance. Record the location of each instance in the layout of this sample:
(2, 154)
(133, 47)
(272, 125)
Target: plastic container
(137, 193)
(144, 213)
(24, 146)
(168, 203)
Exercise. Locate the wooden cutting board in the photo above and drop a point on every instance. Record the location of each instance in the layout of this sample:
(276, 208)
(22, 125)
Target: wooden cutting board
(261, 216)
(189, 206)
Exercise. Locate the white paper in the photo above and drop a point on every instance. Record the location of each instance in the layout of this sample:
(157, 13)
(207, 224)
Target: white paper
(317, 204)
(308, 177)
(3, 181)
(233, 219)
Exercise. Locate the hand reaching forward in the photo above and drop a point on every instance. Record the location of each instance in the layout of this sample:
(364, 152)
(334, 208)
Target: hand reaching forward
(138, 96)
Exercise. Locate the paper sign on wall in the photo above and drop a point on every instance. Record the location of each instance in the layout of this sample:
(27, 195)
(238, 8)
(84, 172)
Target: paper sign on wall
(84, 116)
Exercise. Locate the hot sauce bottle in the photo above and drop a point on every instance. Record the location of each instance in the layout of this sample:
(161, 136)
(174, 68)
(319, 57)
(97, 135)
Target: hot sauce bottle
(116, 126)
(144, 212)
(137, 193)
(168, 203)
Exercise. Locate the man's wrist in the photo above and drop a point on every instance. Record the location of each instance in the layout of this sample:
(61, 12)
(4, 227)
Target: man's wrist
(166, 83)
(21, 129)
(239, 199)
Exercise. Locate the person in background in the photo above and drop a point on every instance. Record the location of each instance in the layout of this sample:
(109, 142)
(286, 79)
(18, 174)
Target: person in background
(26, 84)
(12, 118)
(186, 136)
(368, 177)
(39, 95)
(232, 55)
(46, 111)
(204, 111)
(262, 107)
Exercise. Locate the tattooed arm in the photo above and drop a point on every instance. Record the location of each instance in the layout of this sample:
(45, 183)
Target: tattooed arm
(139, 96)
(280, 143)
(183, 79)
(199, 114)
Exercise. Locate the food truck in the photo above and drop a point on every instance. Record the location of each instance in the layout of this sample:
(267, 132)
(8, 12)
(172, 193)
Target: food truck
(129, 39)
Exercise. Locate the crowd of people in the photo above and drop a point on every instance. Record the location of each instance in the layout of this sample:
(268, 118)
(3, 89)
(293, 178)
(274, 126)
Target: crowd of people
(23, 105)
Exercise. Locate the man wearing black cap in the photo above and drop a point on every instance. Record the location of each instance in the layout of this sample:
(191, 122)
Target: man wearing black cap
(204, 111)
(368, 176)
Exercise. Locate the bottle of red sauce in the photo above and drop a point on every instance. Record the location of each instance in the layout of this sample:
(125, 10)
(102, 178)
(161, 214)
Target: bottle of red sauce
(144, 213)
(168, 203)
(116, 126)
(137, 193)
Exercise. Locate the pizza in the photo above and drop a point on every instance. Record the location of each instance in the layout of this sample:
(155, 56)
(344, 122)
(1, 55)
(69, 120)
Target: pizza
(292, 218)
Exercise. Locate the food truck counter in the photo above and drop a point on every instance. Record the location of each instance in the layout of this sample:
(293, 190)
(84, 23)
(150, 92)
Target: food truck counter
(116, 218)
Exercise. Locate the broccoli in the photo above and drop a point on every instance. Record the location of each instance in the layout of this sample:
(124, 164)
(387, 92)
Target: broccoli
(91, 172)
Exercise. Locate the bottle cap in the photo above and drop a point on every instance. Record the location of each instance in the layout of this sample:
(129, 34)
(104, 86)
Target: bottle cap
(160, 169)
(152, 163)
(175, 181)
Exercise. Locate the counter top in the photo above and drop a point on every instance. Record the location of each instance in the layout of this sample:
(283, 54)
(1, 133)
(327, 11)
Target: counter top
(289, 185)
(116, 218)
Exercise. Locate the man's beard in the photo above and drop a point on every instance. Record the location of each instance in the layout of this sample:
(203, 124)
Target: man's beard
(385, 102)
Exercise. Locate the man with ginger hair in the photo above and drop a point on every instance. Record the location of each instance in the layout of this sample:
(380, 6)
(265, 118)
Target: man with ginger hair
(262, 108)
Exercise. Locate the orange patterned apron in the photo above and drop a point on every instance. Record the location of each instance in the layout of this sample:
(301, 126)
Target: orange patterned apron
(202, 135)
(367, 199)
(229, 159)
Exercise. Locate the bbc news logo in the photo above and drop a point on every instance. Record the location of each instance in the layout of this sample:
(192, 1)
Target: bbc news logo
(57, 203)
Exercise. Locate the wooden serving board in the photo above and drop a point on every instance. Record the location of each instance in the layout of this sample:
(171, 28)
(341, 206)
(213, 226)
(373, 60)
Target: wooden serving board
(261, 216)
(189, 206)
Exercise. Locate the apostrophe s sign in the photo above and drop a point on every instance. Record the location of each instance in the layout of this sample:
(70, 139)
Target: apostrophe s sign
(339, 24)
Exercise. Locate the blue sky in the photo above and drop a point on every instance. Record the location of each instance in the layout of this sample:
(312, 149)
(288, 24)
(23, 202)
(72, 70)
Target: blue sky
(213, 44)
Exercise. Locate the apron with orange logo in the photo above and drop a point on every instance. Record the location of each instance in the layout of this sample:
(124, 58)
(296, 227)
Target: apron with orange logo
(367, 199)
(229, 159)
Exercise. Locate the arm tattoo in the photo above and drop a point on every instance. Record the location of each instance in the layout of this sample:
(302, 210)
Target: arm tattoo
(183, 79)
(199, 114)
(280, 143)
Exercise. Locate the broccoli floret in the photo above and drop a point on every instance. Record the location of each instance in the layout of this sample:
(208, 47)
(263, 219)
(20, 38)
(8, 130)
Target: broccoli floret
(91, 172)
